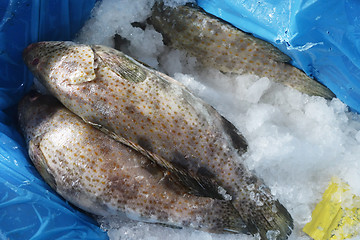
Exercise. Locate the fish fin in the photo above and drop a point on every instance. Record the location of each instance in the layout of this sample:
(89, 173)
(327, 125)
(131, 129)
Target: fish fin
(79, 65)
(122, 65)
(196, 184)
(121, 43)
(127, 67)
(308, 85)
(39, 160)
(281, 225)
(237, 139)
(141, 25)
(167, 225)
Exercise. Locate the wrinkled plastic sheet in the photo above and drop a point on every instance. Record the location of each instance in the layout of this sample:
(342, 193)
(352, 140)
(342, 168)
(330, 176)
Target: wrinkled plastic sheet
(29, 208)
(322, 37)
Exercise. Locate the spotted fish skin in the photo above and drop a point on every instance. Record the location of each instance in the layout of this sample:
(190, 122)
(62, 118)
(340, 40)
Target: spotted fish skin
(219, 45)
(104, 177)
(159, 117)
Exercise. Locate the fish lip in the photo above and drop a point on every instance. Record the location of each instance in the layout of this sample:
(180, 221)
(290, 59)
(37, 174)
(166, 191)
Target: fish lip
(33, 95)
(29, 57)
(28, 49)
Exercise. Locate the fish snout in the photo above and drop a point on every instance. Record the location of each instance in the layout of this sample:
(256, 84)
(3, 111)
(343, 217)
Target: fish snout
(28, 48)
(33, 95)
(32, 110)
(29, 55)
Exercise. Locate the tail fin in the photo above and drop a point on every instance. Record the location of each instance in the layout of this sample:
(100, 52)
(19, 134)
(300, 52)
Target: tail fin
(298, 79)
(277, 228)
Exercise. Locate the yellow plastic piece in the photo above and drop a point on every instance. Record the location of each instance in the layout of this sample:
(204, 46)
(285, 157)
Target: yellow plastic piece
(336, 217)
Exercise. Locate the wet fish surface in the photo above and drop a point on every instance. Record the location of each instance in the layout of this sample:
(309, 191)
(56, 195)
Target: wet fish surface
(104, 177)
(160, 118)
(219, 45)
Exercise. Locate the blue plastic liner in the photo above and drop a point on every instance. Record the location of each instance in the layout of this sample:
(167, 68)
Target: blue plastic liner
(321, 36)
(29, 208)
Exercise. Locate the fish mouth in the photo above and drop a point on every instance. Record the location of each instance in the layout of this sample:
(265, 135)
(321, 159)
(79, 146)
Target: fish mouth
(29, 55)
(29, 48)
(33, 95)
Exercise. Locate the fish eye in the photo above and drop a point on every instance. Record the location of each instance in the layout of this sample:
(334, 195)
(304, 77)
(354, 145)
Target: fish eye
(33, 95)
(35, 62)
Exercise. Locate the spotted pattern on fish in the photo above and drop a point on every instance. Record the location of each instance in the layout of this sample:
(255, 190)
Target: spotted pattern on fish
(104, 177)
(147, 109)
(219, 45)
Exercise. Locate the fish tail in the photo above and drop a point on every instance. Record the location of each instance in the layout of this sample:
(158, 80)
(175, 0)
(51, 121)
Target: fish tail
(299, 80)
(321, 90)
(283, 221)
(271, 221)
(280, 227)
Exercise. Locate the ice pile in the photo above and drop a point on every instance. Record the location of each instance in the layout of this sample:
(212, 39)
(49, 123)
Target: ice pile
(297, 143)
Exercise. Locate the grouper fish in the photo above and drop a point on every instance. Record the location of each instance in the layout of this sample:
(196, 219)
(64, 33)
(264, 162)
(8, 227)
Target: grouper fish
(219, 45)
(104, 177)
(159, 117)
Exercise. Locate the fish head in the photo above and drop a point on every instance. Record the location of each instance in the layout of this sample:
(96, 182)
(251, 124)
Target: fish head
(55, 63)
(33, 112)
(58, 65)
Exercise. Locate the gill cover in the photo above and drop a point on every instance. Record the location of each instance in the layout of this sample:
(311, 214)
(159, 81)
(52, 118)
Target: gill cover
(76, 64)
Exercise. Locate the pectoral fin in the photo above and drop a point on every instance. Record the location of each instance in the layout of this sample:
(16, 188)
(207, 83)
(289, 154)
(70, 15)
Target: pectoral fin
(120, 64)
(197, 184)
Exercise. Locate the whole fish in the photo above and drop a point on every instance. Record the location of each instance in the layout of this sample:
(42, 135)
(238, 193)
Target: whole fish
(104, 177)
(220, 45)
(162, 119)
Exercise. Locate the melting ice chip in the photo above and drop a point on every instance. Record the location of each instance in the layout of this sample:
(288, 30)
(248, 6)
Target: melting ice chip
(272, 235)
(257, 199)
(357, 136)
(223, 193)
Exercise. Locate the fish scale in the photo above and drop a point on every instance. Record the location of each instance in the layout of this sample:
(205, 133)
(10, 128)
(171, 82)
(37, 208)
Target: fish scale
(159, 117)
(106, 178)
